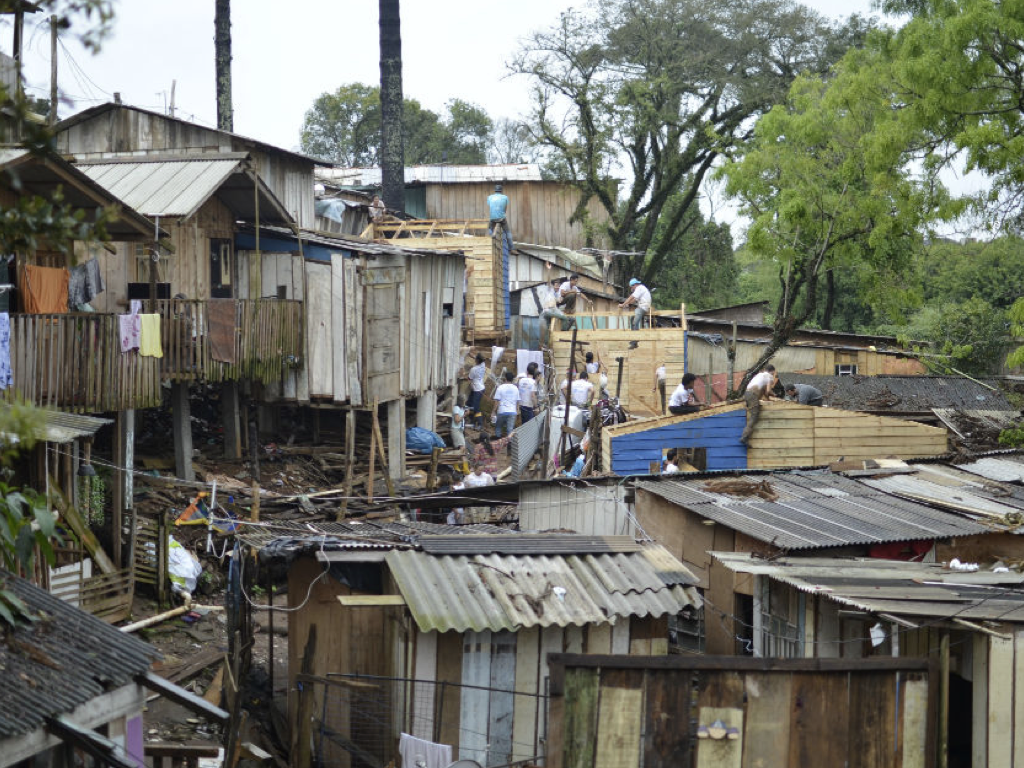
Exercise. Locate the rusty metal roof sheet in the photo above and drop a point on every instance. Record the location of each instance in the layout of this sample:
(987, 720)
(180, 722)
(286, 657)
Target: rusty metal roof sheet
(925, 590)
(512, 592)
(61, 661)
(813, 509)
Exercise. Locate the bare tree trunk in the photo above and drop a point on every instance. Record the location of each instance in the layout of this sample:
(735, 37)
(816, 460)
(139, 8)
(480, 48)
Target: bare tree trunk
(222, 65)
(392, 150)
(830, 299)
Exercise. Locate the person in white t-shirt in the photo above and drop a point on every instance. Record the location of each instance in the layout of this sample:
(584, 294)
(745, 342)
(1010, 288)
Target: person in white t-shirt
(641, 298)
(659, 386)
(759, 388)
(582, 391)
(477, 377)
(528, 393)
(671, 465)
(457, 515)
(506, 396)
(568, 292)
(683, 400)
(477, 479)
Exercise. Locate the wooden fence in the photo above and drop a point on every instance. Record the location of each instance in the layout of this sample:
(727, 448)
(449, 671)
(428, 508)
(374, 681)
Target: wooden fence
(268, 340)
(74, 362)
(728, 712)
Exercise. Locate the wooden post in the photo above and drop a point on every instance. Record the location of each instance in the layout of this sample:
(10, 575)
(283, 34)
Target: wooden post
(731, 355)
(269, 586)
(943, 760)
(426, 410)
(373, 457)
(435, 454)
(53, 71)
(350, 458)
(254, 510)
(182, 429)
(396, 442)
(618, 381)
(568, 393)
(124, 460)
(230, 419)
(254, 443)
(709, 379)
(384, 464)
(302, 728)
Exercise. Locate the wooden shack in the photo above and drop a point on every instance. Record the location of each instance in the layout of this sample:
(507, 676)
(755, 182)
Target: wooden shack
(787, 435)
(455, 643)
(109, 130)
(540, 211)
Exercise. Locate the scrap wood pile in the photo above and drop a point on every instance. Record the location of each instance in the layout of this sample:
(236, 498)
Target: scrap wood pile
(762, 489)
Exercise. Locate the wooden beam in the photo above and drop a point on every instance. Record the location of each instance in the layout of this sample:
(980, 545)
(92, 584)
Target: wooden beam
(100, 747)
(370, 601)
(179, 695)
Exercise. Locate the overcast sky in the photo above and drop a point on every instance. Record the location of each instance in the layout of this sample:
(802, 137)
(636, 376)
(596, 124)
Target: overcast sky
(287, 54)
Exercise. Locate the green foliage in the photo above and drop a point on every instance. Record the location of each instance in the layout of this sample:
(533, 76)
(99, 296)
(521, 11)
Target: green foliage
(1013, 437)
(959, 68)
(345, 127)
(823, 184)
(661, 89)
(989, 270)
(968, 337)
(699, 271)
(1016, 317)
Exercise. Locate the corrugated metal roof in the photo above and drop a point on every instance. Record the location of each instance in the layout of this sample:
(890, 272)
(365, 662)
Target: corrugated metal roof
(528, 544)
(61, 427)
(353, 534)
(434, 174)
(61, 661)
(164, 188)
(512, 592)
(927, 590)
(813, 509)
(954, 489)
(915, 394)
(1003, 469)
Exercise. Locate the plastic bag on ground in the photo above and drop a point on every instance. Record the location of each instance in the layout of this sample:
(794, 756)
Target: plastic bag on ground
(183, 566)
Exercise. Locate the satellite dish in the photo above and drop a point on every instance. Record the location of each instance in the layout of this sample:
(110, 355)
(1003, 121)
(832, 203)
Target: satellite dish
(465, 764)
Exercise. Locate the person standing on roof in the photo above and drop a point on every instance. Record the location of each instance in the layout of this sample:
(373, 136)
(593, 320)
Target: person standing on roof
(497, 205)
(641, 298)
(377, 209)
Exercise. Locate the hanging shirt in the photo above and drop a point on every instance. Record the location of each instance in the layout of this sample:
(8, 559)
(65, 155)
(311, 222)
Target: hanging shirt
(130, 331)
(476, 377)
(44, 290)
(149, 336)
(6, 374)
(507, 396)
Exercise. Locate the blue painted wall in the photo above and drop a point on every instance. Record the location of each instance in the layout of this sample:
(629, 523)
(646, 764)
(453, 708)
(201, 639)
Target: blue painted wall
(245, 241)
(719, 434)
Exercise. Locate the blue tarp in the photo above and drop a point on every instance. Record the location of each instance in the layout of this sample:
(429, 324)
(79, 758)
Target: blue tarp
(422, 440)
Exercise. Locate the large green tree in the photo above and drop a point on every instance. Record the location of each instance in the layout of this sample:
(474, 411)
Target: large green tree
(655, 92)
(824, 185)
(959, 67)
(344, 127)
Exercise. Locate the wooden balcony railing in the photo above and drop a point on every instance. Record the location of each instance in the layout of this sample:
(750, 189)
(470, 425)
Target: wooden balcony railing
(74, 362)
(268, 340)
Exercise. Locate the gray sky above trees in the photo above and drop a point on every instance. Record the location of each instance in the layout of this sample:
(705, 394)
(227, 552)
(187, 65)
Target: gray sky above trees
(287, 55)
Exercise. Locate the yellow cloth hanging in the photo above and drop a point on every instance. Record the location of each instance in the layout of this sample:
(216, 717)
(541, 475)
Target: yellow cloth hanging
(149, 336)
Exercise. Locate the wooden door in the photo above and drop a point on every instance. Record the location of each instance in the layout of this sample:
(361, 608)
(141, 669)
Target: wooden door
(383, 333)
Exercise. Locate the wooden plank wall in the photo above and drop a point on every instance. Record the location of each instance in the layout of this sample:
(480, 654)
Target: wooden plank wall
(626, 715)
(496, 726)
(654, 347)
(431, 351)
(792, 435)
(997, 727)
(538, 212)
(629, 449)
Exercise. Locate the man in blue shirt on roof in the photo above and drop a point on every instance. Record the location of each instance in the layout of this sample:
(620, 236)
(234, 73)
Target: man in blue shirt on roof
(498, 206)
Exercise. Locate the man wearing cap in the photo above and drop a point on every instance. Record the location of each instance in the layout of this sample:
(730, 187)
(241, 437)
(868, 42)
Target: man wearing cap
(497, 204)
(641, 297)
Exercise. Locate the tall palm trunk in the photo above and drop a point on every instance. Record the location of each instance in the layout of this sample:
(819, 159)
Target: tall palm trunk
(222, 63)
(392, 150)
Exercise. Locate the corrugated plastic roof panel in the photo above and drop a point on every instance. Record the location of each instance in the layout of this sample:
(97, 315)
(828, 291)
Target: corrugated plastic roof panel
(923, 590)
(435, 174)
(1003, 469)
(163, 188)
(814, 509)
(60, 662)
(941, 489)
(509, 592)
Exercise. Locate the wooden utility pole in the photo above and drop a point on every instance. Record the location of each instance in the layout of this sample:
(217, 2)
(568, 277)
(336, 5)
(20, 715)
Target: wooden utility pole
(53, 71)
(392, 148)
(222, 64)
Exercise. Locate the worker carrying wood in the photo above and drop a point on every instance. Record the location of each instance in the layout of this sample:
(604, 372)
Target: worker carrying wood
(567, 294)
(641, 298)
(759, 388)
(497, 205)
(804, 394)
